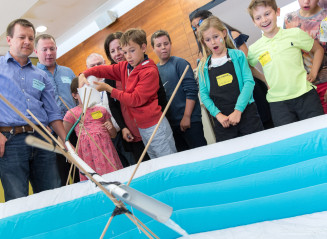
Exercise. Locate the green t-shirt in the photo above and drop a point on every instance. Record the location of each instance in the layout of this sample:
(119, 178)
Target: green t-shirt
(282, 63)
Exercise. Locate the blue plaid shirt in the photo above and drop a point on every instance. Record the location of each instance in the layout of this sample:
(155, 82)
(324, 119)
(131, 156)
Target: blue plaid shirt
(61, 80)
(26, 87)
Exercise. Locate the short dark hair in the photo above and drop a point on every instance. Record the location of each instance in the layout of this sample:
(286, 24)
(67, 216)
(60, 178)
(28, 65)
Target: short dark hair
(109, 39)
(74, 85)
(20, 21)
(203, 14)
(157, 34)
(43, 36)
(135, 35)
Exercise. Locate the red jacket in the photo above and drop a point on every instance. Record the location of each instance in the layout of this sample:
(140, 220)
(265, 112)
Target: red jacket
(139, 92)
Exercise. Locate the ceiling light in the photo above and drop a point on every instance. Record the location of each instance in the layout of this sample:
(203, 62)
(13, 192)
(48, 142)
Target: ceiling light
(41, 29)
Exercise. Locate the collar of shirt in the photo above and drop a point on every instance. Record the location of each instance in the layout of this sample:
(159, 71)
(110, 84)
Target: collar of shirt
(9, 57)
(129, 67)
(44, 67)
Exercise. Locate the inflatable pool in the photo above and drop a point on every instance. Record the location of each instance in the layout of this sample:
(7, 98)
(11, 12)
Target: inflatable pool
(276, 174)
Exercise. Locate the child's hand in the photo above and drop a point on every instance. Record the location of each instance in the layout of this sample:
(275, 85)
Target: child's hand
(235, 117)
(82, 81)
(108, 125)
(311, 78)
(185, 123)
(325, 96)
(127, 135)
(223, 120)
(101, 86)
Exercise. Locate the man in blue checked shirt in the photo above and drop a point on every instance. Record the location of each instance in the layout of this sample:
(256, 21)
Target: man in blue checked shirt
(60, 78)
(26, 87)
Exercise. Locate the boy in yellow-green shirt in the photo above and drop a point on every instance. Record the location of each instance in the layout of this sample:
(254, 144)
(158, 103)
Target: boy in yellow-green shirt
(291, 95)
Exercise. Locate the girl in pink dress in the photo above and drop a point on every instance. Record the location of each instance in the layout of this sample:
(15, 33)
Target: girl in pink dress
(98, 124)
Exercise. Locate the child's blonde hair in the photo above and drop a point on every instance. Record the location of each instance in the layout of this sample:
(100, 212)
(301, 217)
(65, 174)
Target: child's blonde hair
(256, 3)
(205, 25)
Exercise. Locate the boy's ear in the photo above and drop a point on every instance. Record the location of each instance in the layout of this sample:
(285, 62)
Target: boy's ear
(278, 12)
(143, 47)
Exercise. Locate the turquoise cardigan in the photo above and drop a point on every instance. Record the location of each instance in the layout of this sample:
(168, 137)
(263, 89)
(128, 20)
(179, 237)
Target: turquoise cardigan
(245, 81)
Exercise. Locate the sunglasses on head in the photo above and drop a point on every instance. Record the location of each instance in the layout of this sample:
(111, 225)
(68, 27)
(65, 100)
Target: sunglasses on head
(200, 21)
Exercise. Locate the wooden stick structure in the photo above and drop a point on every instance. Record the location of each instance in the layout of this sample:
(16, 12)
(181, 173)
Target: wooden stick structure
(110, 219)
(42, 144)
(44, 128)
(160, 120)
(26, 119)
(70, 171)
(117, 203)
(106, 227)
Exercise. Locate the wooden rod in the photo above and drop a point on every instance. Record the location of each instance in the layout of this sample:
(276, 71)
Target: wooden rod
(160, 120)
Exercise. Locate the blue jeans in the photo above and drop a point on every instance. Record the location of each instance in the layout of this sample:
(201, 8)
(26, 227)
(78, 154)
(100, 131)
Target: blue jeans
(22, 163)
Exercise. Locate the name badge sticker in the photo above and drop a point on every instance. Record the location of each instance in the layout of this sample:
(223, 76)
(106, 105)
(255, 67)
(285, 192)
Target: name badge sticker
(39, 85)
(66, 80)
(224, 79)
(264, 58)
(97, 114)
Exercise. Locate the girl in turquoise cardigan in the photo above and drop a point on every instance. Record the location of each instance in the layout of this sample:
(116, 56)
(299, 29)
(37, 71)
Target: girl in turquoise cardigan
(226, 83)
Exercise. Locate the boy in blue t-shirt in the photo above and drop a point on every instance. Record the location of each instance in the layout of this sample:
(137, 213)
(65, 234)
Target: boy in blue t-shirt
(184, 114)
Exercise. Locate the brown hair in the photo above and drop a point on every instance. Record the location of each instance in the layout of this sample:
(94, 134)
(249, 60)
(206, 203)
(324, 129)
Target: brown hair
(109, 39)
(43, 36)
(256, 3)
(158, 34)
(74, 85)
(22, 22)
(135, 35)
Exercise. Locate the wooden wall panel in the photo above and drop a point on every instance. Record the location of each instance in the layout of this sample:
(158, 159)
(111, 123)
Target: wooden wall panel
(150, 15)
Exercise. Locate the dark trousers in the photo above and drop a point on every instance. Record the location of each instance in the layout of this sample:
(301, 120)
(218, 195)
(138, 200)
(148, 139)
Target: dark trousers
(303, 107)
(136, 148)
(250, 123)
(126, 158)
(191, 138)
(259, 95)
(64, 165)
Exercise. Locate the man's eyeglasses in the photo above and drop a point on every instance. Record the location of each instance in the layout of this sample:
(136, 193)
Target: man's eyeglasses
(194, 28)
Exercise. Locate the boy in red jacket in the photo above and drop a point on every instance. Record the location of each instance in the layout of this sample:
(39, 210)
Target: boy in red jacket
(139, 77)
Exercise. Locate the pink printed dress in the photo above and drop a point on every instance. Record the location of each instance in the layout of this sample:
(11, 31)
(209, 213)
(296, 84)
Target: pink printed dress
(94, 119)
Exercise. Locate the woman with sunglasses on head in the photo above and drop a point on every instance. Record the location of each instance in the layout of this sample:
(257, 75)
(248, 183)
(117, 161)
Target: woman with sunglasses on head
(239, 41)
(237, 37)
